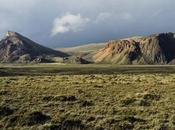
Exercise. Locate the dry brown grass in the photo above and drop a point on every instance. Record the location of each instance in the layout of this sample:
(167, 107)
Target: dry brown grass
(95, 102)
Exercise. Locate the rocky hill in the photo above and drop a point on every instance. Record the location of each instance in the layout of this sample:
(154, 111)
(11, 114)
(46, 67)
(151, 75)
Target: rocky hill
(15, 48)
(154, 49)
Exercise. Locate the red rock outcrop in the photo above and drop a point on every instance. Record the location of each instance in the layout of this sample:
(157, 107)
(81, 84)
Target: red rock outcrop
(154, 49)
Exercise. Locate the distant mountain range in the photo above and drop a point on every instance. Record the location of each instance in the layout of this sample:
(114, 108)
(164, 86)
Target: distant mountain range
(153, 49)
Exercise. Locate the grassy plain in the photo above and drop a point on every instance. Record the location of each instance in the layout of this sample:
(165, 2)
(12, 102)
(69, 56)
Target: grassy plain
(87, 97)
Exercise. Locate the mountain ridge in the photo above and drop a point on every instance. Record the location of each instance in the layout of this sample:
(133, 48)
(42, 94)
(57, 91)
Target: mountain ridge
(16, 48)
(153, 49)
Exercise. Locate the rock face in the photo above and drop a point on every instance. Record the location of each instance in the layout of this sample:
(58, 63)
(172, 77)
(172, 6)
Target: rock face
(154, 49)
(16, 48)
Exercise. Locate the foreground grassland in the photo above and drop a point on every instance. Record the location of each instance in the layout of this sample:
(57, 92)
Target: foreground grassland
(68, 98)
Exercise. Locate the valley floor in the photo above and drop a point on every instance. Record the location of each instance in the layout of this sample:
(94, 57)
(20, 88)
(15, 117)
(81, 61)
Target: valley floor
(87, 98)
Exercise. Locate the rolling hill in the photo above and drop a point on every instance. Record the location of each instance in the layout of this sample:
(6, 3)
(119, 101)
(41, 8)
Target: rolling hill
(86, 51)
(84, 48)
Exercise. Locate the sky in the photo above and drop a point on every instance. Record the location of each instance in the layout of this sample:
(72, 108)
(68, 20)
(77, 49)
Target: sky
(66, 23)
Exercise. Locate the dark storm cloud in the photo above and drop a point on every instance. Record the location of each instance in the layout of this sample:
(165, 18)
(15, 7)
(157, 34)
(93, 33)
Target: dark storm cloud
(60, 23)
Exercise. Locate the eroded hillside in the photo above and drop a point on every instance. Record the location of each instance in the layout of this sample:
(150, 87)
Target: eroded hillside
(154, 49)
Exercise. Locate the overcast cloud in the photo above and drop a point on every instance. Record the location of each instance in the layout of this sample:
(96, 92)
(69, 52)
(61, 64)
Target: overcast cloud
(61, 23)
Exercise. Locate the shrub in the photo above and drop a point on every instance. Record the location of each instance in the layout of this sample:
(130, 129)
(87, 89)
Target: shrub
(5, 111)
(36, 118)
(128, 101)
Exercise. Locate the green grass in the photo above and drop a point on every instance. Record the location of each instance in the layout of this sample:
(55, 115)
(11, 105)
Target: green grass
(74, 69)
(56, 97)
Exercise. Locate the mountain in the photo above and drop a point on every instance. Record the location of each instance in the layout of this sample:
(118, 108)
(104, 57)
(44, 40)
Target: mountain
(84, 51)
(15, 48)
(154, 49)
(84, 48)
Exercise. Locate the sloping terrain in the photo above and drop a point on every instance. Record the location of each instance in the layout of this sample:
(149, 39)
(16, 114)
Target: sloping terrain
(16, 48)
(84, 51)
(84, 48)
(154, 49)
